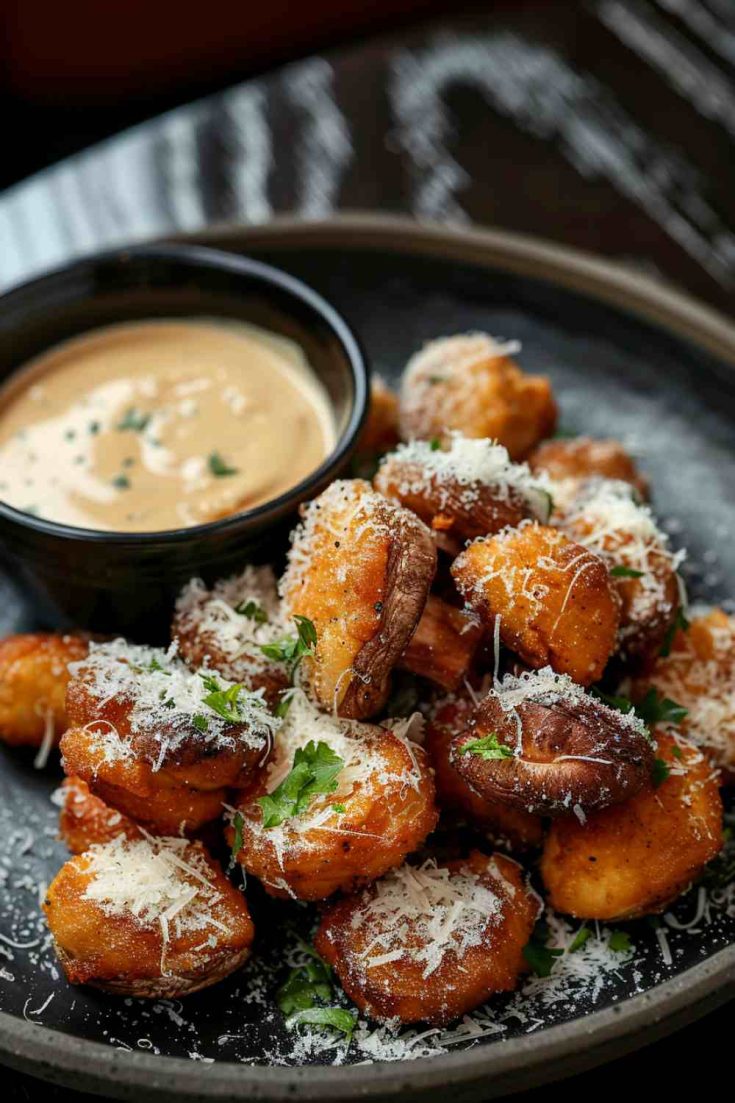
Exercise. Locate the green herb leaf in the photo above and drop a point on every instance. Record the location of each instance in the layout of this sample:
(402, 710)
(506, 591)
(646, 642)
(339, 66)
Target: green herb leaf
(625, 572)
(306, 984)
(284, 704)
(540, 957)
(660, 772)
(336, 1017)
(621, 704)
(619, 942)
(133, 420)
(579, 939)
(339, 809)
(223, 701)
(314, 771)
(488, 747)
(238, 823)
(200, 722)
(121, 482)
(219, 468)
(655, 709)
(291, 649)
(252, 611)
(679, 622)
(435, 444)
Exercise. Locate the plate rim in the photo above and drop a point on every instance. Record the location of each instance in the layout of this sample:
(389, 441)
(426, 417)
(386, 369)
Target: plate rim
(517, 1063)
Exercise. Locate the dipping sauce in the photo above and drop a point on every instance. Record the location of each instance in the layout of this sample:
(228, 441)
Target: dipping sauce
(156, 425)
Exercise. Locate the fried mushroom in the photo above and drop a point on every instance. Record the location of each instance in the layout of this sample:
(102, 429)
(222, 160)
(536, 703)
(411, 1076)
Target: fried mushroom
(699, 675)
(224, 629)
(157, 741)
(429, 943)
(636, 858)
(606, 518)
(501, 822)
(152, 917)
(360, 569)
(467, 489)
(377, 806)
(550, 600)
(85, 820)
(469, 382)
(444, 645)
(571, 462)
(33, 680)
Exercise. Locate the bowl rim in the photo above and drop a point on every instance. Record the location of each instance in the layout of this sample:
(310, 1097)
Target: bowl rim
(206, 258)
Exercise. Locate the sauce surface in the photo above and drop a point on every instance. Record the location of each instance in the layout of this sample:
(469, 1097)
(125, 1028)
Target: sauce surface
(157, 425)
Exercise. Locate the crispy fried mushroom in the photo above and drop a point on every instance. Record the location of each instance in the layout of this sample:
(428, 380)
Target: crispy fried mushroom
(552, 600)
(380, 809)
(85, 820)
(540, 743)
(429, 943)
(570, 462)
(637, 857)
(469, 382)
(33, 679)
(152, 917)
(444, 645)
(360, 568)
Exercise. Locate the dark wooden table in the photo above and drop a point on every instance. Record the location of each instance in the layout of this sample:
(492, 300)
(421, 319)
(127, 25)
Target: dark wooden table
(606, 126)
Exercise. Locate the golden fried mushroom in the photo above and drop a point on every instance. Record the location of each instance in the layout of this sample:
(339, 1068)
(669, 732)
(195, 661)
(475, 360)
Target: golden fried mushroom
(538, 742)
(444, 645)
(33, 679)
(157, 741)
(469, 488)
(699, 674)
(225, 628)
(85, 820)
(606, 518)
(551, 600)
(380, 432)
(152, 917)
(501, 822)
(469, 382)
(340, 804)
(430, 943)
(637, 857)
(360, 569)
(569, 462)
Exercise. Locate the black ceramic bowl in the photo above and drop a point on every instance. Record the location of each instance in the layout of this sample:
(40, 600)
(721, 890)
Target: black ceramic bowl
(125, 582)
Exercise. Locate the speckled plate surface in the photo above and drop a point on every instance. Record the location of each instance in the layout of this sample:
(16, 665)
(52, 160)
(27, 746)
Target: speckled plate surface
(628, 358)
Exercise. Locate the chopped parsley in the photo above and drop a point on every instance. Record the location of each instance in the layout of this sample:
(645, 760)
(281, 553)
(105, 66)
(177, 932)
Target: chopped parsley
(252, 611)
(619, 942)
(622, 571)
(306, 991)
(537, 954)
(121, 482)
(435, 444)
(291, 649)
(488, 747)
(223, 701)
(238, 824)
(579, 939)
(314, 771)
(336, 1017)
(200, 722)
(656, 709)
(133, 420)
(679, 622)
(660, 772)
(339, 809)
(218, 467)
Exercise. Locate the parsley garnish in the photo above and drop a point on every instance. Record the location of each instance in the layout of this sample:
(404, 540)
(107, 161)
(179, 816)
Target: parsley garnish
(315, 768)
(619, 942)
(655, 709)
(622, 571)
(537, 953)
(679, 621)
(121, 482)
(252, 611)
(660, 772)
(308, 986)
(223, 701)
(284, 704)
(336, 1017)
(620, 704)
(579, 939)
(238, 824)
(488, 747)
(200, 722)
(435, 444)
(133, 420)
(339, 809)
(291, 649)
(219, 468)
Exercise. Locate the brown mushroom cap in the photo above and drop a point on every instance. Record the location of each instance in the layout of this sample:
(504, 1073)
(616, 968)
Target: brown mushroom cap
(576, 754)
(584, 457)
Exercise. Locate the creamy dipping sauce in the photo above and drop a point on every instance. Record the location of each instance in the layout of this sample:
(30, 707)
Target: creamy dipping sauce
(147, 426)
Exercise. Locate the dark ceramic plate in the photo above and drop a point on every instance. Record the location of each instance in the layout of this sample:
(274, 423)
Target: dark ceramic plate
(627, 358)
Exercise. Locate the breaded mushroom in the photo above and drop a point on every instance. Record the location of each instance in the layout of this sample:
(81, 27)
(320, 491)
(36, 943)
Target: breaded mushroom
(539, 743)
(429, 943)
(225, 628)
(501, 822)
(341, 803)
(157, 741)
(360, 569)
(570, 462)
(606, 518)
(85, 820)
(636, 858)
(469, 382)
(699, 675)
(33, 679)
(444, 645)
(152, 917)
(467, 489)
(551, 600)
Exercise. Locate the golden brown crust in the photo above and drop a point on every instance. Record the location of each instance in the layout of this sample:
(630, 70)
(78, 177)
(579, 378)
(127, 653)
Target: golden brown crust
(575, 755)
(85, 820)
(466, 976)
(360, 569)
(635, 858)
(33, 680)
(501, 821)
(444, 645)
(468, 383)
(584, 457)
(554, 599)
